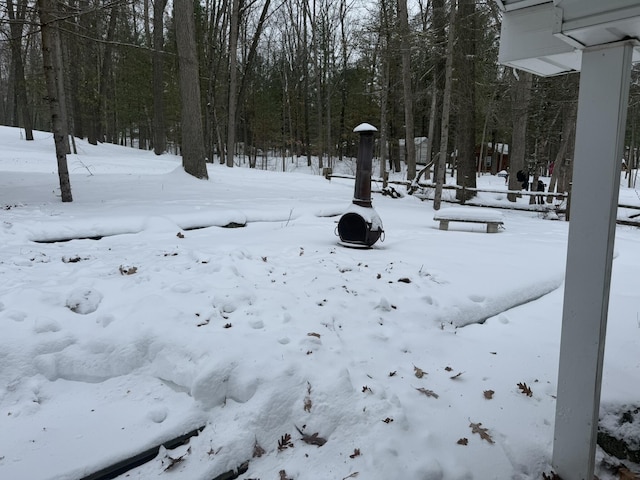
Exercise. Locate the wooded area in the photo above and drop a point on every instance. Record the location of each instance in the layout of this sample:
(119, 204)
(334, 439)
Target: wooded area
(288, 78)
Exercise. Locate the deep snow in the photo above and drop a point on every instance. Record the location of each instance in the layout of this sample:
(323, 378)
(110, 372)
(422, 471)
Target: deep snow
(392, 355)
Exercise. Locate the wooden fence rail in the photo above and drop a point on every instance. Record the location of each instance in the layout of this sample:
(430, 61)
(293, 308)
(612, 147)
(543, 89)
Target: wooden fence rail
(558, 208)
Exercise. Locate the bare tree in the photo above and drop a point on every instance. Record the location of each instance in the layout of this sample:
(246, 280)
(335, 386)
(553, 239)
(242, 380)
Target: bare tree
(446, 107)
(466, 75)
(233, 80)
(405, 47)
(16, 23)
(438, 27)
(50, 50)
(159, 137)
(569, 118)
(520, 117)
(192, 148)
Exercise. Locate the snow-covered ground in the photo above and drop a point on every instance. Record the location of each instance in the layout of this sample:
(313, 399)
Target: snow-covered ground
(304, 358)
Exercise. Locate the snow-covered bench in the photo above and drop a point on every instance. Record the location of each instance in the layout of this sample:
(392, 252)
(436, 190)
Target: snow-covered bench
(492, 218)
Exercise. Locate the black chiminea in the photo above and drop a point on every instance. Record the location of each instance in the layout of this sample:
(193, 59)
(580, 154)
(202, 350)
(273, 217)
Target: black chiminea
(361, 226)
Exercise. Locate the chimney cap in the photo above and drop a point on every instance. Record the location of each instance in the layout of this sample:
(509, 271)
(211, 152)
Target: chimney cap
(365, 127)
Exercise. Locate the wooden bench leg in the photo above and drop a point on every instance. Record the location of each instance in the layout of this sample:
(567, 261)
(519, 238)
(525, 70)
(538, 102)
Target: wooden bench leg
(492, 227)
(444, 224)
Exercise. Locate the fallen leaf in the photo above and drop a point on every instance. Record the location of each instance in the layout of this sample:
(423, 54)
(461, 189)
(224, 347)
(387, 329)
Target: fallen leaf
(353, 475)
(285, 442)
(488, 394)
(404, 280)
(227, 325)
(180, 235)
(626, 474)
(428, 393)
(213, 452)
(393, 374)
(483, 432)
(258, 451)
(388, 420)
(283, 475)
(173, 461)
(463, 441)
(457, 375)
(312, 439)
(313, 334)
(524, 388)
(418, 372)
(307, 404)
(366, 389)
(448, 369)
(356, 453)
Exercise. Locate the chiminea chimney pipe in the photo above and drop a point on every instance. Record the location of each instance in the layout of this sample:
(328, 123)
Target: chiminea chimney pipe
(362, 189)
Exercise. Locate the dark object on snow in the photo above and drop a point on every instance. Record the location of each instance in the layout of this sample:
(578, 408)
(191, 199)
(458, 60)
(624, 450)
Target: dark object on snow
(361, 226)
(123, 466)
(618, 433)
(541, 188)
(523, 177)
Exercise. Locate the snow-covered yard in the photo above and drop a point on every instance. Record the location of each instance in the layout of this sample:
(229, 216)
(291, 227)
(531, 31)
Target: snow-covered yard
(433, 355)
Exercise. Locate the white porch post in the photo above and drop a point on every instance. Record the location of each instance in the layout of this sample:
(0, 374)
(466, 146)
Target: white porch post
(602, 111)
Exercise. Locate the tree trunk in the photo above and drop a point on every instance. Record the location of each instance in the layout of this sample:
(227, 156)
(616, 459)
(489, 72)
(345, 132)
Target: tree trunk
(344, 87)
(405, 47)
(49, 51)
(466, 127)
(384, 124)
(446, 105)
(305, 82)
(16, 22)
(159, 136)
(233, 80)
(193, 153)
(440, 40)
(520, 116)
(253, 51)
(315, 41)
(432, 127)
(568, 131)
(105, 76)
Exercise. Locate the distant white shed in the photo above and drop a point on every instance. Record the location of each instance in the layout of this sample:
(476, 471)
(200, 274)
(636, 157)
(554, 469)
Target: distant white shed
(421, 150)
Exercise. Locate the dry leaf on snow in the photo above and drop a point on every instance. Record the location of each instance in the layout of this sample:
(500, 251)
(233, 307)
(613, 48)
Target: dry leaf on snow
(483, 432)
(258, 451)
(626, 474)
(524, 388)
(312, 439)
(428, 393)
(285, 442)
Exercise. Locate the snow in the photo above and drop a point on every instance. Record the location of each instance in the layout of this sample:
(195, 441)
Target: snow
(169, 322)
(469, 214)
(365, 127)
